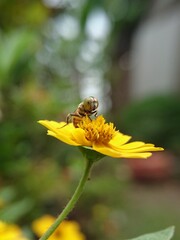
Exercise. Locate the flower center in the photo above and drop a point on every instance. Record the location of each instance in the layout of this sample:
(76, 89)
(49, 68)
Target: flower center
(97, 130)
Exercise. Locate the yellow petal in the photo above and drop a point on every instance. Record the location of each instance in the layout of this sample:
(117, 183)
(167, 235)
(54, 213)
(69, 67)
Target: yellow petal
(51, 125)
(107, 150)
(137, 147)
(145, 148)
(119, 139)
(61, 131)
(78, 136)
(132, 145)
(63, 138)
(41, 224)
(137, 155)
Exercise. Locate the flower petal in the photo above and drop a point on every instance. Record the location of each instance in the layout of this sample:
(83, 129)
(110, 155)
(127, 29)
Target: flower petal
(63, 138)
(107, 150)
(119, 139)
(51, 125)
(137, 147)
(61, 131)
(144, 148)
(78, 136)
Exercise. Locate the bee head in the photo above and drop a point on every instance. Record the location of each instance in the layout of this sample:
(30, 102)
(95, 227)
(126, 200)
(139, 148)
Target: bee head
(90, 103)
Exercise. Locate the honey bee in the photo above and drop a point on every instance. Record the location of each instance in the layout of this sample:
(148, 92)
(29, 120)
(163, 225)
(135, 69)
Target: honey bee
(86, 108)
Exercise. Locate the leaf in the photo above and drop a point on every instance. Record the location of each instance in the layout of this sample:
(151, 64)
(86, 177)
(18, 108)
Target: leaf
(16, 210)
(165, 234)
(14, 47)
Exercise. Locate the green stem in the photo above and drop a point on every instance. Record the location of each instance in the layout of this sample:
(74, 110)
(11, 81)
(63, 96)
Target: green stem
(71, 203)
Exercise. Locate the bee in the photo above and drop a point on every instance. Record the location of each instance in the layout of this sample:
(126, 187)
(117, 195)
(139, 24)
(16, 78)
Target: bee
(86, 108)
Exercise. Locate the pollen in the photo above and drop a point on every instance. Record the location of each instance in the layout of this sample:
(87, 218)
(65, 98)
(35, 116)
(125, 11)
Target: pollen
(97, 130)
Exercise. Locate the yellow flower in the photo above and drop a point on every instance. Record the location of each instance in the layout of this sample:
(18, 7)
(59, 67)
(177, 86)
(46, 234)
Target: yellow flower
(10, 232)
(100, 136)
(67, 230)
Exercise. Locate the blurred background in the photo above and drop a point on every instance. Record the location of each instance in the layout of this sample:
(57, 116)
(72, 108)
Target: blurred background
(53, 53)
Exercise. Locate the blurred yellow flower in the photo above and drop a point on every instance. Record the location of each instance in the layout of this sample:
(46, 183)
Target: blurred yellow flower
(100, 136)
(10, 232)
(67, 230)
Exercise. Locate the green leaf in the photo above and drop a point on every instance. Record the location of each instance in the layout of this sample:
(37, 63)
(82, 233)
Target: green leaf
(165, 234)
(16, 210)
(14, 47)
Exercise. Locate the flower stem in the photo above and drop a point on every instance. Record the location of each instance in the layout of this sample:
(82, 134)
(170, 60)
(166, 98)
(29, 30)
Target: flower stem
(70, 205)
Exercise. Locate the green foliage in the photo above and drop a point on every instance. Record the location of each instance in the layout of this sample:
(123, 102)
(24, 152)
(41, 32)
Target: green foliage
(39, 72)
(20, 91)
(17, 210)
(16, 49)
(18, 13)
(12, 208)
(165, 234)
(154, 120)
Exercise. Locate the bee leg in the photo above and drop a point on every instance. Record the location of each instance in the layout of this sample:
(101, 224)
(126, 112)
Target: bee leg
(95, 113)
(70, 115)
(69, 118)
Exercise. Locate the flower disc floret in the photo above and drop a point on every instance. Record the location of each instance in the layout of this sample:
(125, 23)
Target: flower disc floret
(97, 130)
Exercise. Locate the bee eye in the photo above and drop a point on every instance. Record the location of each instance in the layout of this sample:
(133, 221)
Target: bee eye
(90, 103)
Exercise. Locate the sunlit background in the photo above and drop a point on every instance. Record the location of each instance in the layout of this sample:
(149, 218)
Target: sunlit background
(54, 53)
